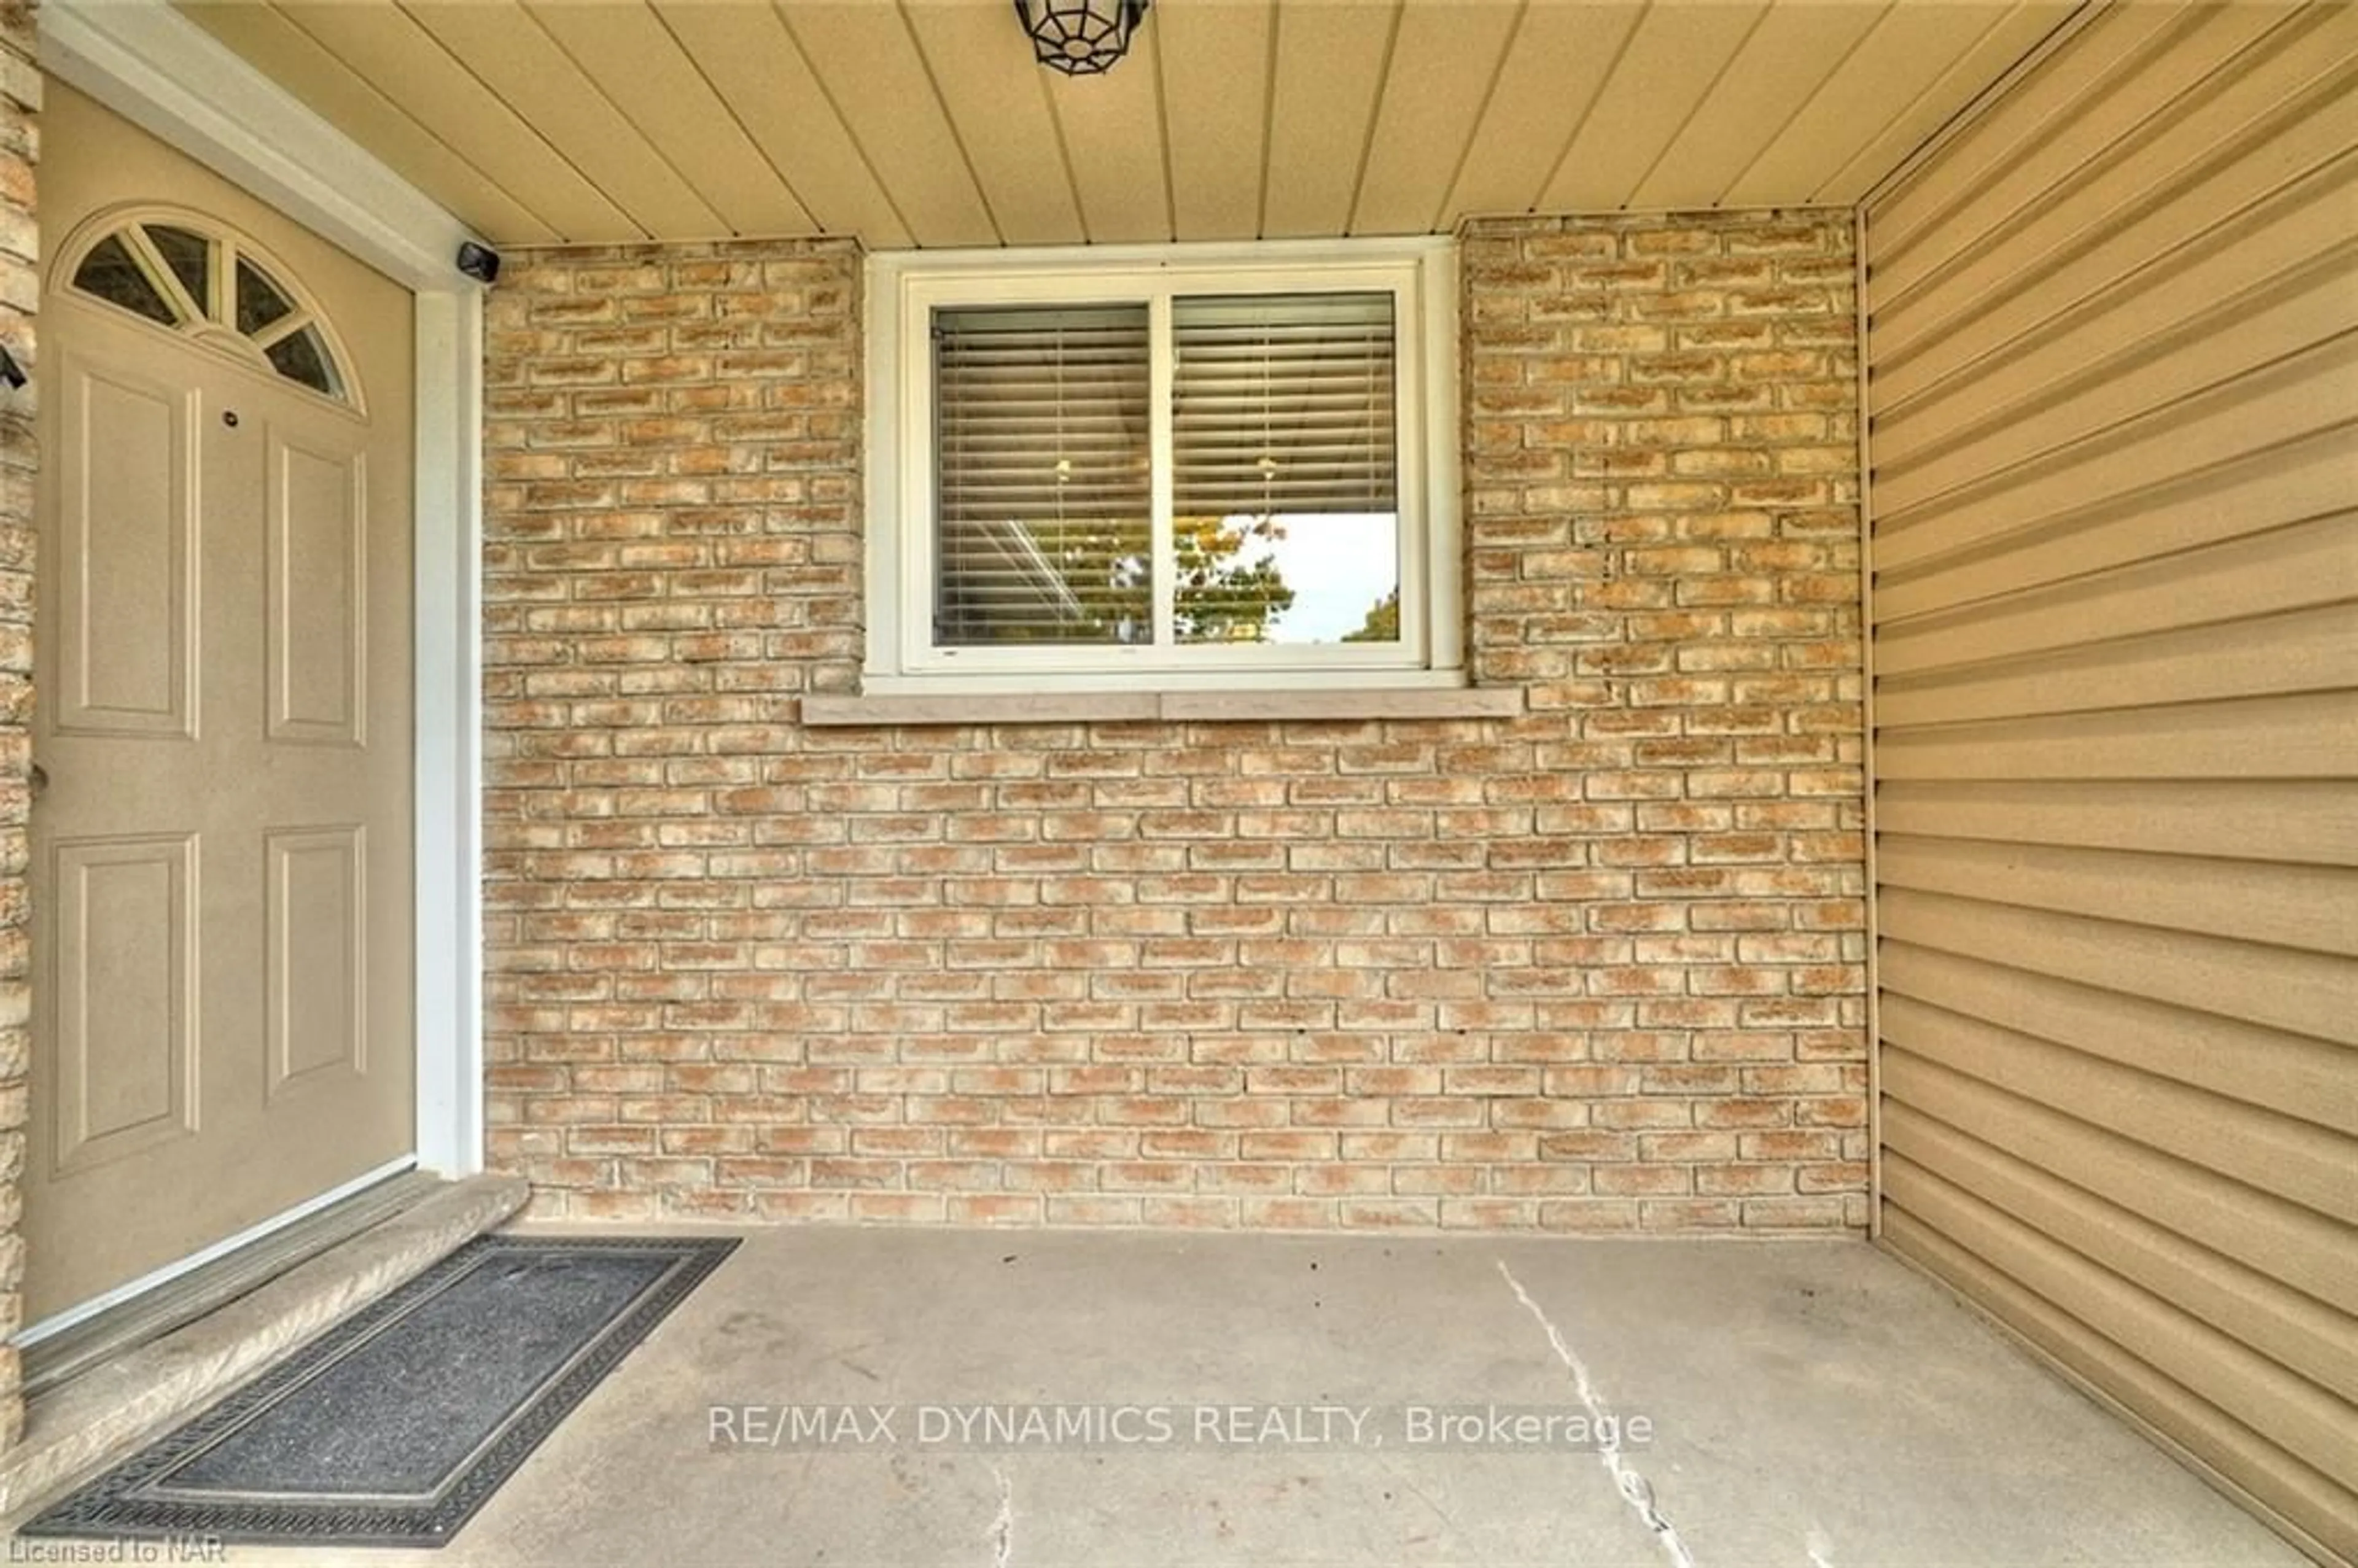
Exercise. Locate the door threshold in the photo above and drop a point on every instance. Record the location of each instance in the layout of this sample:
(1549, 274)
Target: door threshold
(60, 1347)
(81, 1426)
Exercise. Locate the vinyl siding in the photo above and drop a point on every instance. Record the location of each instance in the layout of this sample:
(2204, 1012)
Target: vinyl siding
(2113, 398)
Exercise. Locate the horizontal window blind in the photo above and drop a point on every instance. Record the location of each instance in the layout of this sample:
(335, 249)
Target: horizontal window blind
(1284, 404)
(1282, 411)
(1043, 495)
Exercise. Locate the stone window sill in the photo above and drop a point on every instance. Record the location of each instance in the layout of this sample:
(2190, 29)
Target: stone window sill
(1349, 704)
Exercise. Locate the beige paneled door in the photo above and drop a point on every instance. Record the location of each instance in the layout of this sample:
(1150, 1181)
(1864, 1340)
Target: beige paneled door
(221, 846)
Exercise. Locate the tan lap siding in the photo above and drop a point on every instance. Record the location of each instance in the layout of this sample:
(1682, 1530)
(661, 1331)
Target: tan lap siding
(2114, 424)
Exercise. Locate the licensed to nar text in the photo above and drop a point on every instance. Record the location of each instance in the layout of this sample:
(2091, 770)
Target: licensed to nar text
(119, 1549)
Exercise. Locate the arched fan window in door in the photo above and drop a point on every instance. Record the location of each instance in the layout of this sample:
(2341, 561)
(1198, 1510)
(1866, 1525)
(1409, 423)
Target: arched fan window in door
(191, 279)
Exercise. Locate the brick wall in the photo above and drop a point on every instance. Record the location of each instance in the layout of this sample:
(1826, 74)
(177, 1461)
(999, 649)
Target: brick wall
(20, 102)
(1598, 967)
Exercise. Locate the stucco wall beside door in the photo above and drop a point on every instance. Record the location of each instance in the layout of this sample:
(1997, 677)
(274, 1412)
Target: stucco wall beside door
(20, 98)
(1598, 967)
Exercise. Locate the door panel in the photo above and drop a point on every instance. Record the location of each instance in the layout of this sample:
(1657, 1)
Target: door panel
(317, 613)
(317, 997)
(125, 1010)
(127, 516)
(222, 876)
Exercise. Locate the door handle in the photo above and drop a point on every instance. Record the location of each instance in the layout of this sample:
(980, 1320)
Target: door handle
(37, 779)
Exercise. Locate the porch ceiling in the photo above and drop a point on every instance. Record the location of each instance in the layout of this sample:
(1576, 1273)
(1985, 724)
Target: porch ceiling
(925, 121)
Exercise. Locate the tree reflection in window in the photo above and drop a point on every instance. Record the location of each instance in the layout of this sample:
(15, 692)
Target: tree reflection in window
(190, 255)
(111, 273)
(302, 357)
(259, 301)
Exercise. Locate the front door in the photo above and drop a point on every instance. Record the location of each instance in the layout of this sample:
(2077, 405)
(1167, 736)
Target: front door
(220, 843)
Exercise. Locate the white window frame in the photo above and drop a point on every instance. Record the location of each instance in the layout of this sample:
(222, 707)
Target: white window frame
(905, 288)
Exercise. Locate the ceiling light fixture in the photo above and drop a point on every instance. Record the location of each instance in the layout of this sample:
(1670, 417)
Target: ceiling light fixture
(1080, 37)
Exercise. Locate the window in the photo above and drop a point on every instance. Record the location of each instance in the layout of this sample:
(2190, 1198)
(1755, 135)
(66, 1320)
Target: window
(1187, 468)
(203, 286)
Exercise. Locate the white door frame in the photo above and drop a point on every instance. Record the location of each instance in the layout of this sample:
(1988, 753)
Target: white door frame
(163, 73)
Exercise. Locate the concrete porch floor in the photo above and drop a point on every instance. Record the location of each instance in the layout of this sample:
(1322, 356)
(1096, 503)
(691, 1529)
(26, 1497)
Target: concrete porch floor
(1812, 1404)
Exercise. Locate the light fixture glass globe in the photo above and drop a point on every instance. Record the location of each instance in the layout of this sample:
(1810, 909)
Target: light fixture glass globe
(1080, 37)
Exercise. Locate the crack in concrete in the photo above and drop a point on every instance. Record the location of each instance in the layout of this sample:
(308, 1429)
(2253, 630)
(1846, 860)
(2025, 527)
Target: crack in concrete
(1445, 1517)
(1635, 1489)
(1003, 1526)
